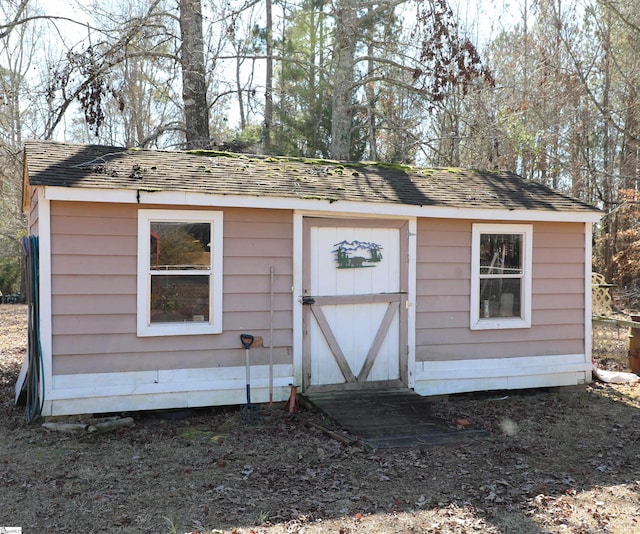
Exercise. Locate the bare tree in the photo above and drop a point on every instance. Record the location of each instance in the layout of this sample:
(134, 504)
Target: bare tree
(194, 87)
(444, 59)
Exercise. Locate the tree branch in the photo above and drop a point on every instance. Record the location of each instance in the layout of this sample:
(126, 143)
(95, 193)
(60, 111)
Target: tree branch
(16, 20)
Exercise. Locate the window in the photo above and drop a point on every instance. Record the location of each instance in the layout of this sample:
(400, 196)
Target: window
(179, 272)
(501, 276)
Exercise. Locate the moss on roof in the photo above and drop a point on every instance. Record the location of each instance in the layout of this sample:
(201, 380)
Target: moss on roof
(226, 173)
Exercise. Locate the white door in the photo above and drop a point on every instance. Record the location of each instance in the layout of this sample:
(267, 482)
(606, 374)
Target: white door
(354, 295)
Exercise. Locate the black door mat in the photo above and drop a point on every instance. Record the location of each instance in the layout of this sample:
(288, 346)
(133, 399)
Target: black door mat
(396, 418)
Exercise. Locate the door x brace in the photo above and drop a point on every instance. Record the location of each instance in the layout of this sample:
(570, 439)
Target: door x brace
(334, 346)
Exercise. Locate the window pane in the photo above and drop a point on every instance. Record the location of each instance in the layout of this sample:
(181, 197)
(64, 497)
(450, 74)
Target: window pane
(179, 246)
(501, 254)
(500, 297)
(179, 298)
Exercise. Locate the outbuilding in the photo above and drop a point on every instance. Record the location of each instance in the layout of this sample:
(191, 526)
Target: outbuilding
(151, 264)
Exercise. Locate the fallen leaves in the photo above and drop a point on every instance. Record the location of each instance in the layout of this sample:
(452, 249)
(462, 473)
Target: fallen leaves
(557, 461)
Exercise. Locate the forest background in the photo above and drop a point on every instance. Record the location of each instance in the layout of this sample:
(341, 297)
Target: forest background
(552, 95)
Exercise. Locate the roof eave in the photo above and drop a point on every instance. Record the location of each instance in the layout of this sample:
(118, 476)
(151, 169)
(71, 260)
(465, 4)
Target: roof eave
(183, 198)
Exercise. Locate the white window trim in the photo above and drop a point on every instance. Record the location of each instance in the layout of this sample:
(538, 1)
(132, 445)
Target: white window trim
(214, 326)
(494, 323)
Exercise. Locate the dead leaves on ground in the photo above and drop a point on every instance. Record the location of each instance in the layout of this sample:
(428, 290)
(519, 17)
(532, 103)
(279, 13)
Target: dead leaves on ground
(557, 461)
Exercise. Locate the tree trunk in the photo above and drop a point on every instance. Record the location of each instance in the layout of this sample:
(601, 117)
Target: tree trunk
(344, 65)
(194, 87)
(371, 104)
(268, 93)
(610, 226)
(630, 152)
(239, 92)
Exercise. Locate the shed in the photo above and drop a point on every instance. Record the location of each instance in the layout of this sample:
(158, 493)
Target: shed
(349, 275)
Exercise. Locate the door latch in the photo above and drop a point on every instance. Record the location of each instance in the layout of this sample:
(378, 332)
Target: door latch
(307, 300)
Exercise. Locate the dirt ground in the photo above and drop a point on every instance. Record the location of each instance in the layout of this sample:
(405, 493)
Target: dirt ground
(563, 460)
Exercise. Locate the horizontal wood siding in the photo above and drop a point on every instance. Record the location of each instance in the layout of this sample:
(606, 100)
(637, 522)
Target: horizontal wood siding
(443, 289)
(94, 249)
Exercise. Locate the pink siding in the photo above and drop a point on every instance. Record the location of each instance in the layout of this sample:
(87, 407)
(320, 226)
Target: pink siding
(444, 286)
(146, 361)
(94, 292)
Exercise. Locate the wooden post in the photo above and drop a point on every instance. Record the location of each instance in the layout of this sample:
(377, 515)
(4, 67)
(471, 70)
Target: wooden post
(633, 355)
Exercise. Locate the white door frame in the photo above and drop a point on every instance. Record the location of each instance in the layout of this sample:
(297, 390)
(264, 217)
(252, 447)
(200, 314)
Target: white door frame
(409, 304)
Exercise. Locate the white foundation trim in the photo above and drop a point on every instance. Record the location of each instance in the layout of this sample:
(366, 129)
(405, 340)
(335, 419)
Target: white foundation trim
(163, 389)
(459, 376)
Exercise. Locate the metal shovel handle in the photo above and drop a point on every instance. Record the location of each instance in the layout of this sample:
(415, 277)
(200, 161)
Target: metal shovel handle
(246, 340)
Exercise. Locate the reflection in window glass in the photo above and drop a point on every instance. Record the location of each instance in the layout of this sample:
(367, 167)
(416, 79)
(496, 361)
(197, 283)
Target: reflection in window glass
(501, 254)
(500, 297)
(179, 298)
(179, 246)
(180, 250)
(501, 272)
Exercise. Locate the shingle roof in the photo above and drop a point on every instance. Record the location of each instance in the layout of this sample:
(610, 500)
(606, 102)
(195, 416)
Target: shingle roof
(103, 167)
